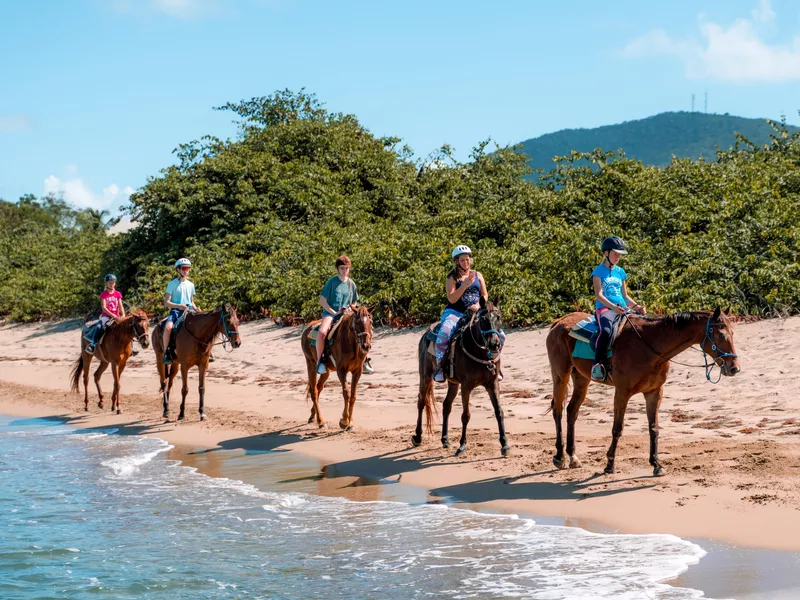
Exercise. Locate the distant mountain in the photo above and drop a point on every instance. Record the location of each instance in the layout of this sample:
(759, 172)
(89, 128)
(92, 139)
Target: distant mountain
(653, 140)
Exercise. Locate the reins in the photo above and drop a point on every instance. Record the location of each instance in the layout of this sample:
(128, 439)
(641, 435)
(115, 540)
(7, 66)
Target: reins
(491, 363)
(226, 337)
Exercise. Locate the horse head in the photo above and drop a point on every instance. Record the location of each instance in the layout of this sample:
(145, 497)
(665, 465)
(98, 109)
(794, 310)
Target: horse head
(229, 326)
(362, 327)
(140, 322)
(718, 343)
(490, 324)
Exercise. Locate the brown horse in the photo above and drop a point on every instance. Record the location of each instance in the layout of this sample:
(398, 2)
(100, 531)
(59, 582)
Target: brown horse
(476, 361)
(114, 350)
(640, 364)
(193, 344)
(350, 345)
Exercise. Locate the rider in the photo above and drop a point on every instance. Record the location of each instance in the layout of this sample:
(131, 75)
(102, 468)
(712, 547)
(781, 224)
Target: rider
(336, 298)
(611, 289)
(465, 288)
(111, 307)
(178, 298)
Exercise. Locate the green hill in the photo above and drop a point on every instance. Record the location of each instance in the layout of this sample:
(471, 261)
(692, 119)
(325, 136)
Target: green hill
(654, 140)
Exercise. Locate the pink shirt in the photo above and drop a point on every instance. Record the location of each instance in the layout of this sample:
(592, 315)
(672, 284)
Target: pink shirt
(112, 300)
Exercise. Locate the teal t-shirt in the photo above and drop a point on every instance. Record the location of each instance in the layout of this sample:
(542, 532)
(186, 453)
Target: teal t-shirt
(339, 293)
(181, 292)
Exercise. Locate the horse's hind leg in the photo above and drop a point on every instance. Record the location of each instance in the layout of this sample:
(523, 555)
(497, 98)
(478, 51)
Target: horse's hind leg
(425, 388)
(344, 423)
(115, 393)
(462, 446)
(560, 383)
(580, 385)
(494, 396)
(98, 372)
(201, 389)
(621, 397)
(653, 400)
(184, 390)
(447, 406)
(162, 377)
(350, 404)
(87, 360)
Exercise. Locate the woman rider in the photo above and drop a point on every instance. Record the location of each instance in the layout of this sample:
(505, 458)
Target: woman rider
(465, 287)
(611, 289)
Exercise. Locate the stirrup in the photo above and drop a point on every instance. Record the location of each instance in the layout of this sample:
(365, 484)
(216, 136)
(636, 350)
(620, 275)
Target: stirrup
(89, 349)
(166, 359)
(599, 372)
(321, 368)
(438, 375)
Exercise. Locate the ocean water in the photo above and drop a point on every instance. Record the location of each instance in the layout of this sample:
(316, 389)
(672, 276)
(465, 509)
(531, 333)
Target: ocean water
(93, 514)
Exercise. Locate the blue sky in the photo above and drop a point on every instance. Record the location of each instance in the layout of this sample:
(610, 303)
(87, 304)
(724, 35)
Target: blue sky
(95, 94)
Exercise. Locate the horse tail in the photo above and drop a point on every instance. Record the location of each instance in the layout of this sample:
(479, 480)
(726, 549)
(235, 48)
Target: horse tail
(431, 411)
(77, 370)
(549, 410)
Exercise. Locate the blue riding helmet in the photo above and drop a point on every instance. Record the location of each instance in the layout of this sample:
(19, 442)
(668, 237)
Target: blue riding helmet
(110, 277)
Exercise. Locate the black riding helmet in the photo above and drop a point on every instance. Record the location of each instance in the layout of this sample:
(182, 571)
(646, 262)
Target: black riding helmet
(613, 243)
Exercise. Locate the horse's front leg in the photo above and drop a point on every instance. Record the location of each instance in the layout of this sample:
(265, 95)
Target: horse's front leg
(621, 397)
(447, 406)
(115, 393)
(344, 422)
(493, 390)
(184, 391)
(98, 372)
(354, 377)
(87, 360)
(653, 400)
(465, 392)
(162, 378)
(201, 388)
(425, 389)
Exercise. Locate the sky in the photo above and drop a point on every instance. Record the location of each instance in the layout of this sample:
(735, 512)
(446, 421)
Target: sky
(96, 94)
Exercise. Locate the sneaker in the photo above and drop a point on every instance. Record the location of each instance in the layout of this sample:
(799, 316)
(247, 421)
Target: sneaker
(438, 376)
(368, 367)
(166, 360)
(89, 349)
(599, 372)
(321, 368)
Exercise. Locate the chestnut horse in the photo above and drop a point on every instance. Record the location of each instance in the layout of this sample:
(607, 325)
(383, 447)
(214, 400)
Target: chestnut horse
(349, 348)
(476, 361)
(193, 344)
(114, 350)
(639, 364)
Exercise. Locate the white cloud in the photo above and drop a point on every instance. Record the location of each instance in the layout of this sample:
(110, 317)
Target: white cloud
(735, 53)
(14, 123)
(76, 192)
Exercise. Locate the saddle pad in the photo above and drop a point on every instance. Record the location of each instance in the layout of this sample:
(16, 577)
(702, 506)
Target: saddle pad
(433, 331)
(584, 330)
(584, 350)
(312, 337)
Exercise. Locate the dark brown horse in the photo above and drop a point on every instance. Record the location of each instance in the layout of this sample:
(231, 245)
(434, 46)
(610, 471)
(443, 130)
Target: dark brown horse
(347, 353)
(640, 364)
(476, 361)
(114, 350)
(193, 344)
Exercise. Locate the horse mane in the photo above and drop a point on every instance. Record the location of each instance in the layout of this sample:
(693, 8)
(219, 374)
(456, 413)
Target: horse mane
(678, 320)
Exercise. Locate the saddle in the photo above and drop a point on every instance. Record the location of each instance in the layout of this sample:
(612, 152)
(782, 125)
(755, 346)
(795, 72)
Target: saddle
(90, 331)
(449, 356)
(170, 350)
(586, 332)
(312, 337)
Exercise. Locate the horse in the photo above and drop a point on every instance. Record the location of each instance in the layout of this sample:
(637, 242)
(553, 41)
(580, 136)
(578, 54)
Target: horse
(640, 363)
(348, 351)
(114, 350)
(193, 344)
(476, 361)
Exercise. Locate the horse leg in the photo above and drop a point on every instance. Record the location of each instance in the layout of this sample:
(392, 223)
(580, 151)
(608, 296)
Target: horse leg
(621, 397)
(87, 360)
(653, 400)
(115, 393)
(580, 385)
(494, 396)
(344, 422)
(354, 377)
(98, 372)
(425, 388)
(173, 372)
(184, 390)
(121, 365)
(462, 446)
(559, 395)
(162, 378)
(447, 406)
(201, 388)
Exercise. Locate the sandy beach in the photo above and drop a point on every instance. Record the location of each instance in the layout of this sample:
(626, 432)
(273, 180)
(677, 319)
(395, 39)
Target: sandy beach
(731, 450)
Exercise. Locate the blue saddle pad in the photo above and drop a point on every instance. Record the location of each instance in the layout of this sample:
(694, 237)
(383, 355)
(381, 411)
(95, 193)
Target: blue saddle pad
(585, 330)
(431, 334)
(584, 350)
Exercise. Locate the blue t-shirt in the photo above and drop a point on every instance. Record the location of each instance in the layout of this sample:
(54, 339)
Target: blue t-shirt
(181, 292)
(611, 281)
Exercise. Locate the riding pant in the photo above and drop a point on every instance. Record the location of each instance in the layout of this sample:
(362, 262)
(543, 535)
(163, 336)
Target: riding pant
(605, 321)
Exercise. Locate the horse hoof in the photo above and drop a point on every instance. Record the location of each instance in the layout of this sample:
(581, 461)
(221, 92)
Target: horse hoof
(574, 462)
(180, 417)
(505, 451)
(86, 409)
(202, 417)
(415, 442)
(165, 415)
(445, 443)
(559, 463)
(119, 412)
(310, 419)
(659, 472)
(461, 449)
(609, 470)
(100, 405)
(342, 424)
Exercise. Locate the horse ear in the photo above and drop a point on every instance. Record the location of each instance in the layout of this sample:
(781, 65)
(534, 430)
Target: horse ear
(228, 307)
(497, 300)
(483, 302)
(727, 311)
(715, 316)
(374, 306)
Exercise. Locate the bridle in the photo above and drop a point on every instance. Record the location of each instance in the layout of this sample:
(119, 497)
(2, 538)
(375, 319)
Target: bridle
(491, 363)
(226, 337)
(139, 336)
(360, 335)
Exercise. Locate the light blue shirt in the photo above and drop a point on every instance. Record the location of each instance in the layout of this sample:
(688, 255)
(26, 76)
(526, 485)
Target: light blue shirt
(181, 292)
(611, 281)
